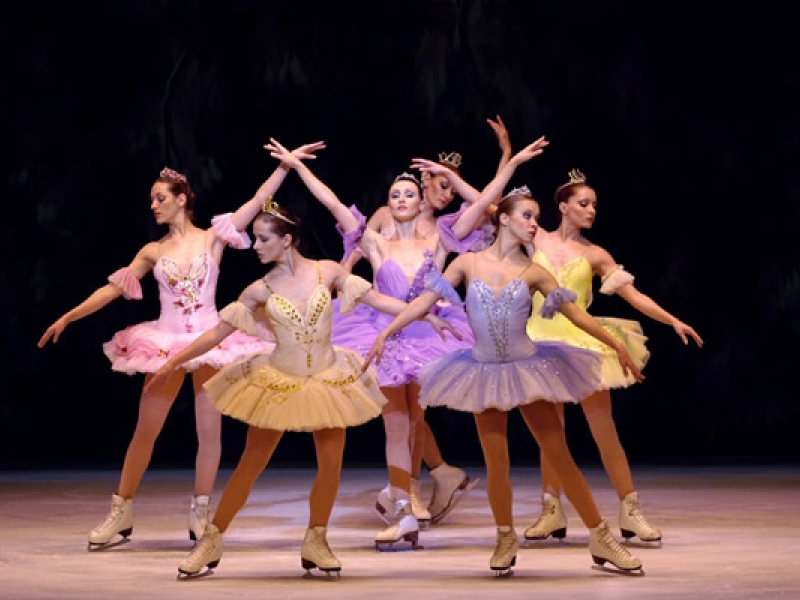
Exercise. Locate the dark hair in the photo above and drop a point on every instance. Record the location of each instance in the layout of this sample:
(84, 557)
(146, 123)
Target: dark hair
(507, 204)
(567, 190)
(289, 224)
(177, 186)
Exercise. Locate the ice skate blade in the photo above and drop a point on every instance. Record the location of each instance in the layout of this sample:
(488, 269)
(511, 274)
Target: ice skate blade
(558, 534)
(508, 572)
(462, 490)
(108, 545)
(205, 572)
(310, 564)
(389, 545)
(631, 536)
(600, 565)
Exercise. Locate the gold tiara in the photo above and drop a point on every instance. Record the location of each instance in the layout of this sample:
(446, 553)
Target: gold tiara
(453, 159)
(575, 176)
(271, 208)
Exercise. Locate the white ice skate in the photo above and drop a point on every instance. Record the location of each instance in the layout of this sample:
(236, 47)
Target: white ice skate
(450, 485)
(198, 517)
(205, 554)
(632, 522)
(119, 521)
(605, 548)
(505, 552)
(404, 526)
(551, 522)
(417, 509)
(316, 553)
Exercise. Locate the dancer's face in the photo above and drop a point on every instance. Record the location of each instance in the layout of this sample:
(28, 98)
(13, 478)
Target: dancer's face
(404, 200)
(269, 246)
(438, 191)
(165, 205)
(581, 208)
(523, 220)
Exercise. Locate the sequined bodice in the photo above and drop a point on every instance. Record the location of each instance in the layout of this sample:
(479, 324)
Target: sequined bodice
(187, 294)
(498, 321)
(303, 337)
(575, 275)
(391, 280)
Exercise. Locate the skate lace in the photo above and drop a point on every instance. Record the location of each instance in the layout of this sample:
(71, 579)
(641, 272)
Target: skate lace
(608, 542)
(506, 542)
(547, 511)
(113, 516)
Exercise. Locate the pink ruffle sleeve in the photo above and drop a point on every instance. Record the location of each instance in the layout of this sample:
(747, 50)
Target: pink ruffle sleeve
(352, 238)
(127, 281)
(225, 230)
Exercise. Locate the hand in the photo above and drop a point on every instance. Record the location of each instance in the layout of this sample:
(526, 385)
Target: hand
(501, 133)
(684, 332)
(440, 324)
(429, 166)
(529, 151)
(307, 151)
(54, 331)
(159, 377)
(374, 353)
(627, 364)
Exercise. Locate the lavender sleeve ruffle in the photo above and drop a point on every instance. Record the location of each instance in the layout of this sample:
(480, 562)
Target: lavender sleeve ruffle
(554, 300)
(352, 238)
(225, 230)
(439, 285)
(130, 285)
(449, 240)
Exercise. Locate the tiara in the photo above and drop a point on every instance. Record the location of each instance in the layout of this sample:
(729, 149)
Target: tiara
(168, 173)
(518, 191)
(452, 159)
(575, 176)
(271, 208)
(405, 176)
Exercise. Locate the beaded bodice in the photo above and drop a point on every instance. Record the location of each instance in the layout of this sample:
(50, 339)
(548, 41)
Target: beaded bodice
(303, 336)
(498, 321)
(186, 293)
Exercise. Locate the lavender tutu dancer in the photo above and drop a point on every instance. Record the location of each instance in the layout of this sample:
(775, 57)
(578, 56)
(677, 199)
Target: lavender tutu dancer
(506, 370)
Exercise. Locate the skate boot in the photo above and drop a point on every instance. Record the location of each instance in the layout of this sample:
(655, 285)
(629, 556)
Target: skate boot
(505, 553)
(404, 526)
(552, 521)
(198, 517)
(417, 508)
(450, 485)
(206, 553)
(119, 521)
(315, 552)
(384, 505)
(632, 522)
(605, 548)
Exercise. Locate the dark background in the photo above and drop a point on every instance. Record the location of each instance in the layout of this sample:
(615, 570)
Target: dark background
(683, 117)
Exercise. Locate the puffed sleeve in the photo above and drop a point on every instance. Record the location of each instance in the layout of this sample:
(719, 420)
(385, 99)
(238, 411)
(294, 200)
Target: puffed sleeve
(475, 240)
(126, 280)
(554, 300)
(239, 316)
(224, 229)
(354, 287)
(440, 286)
(352, 238)
(615, 280)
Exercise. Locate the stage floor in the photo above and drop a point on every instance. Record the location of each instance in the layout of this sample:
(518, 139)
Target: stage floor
(729, 532)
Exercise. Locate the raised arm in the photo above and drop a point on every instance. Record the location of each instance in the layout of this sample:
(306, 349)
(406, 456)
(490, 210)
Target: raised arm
(493, 191)
(346, 220)
(124, 281)
(503, 140)
(467, 193)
